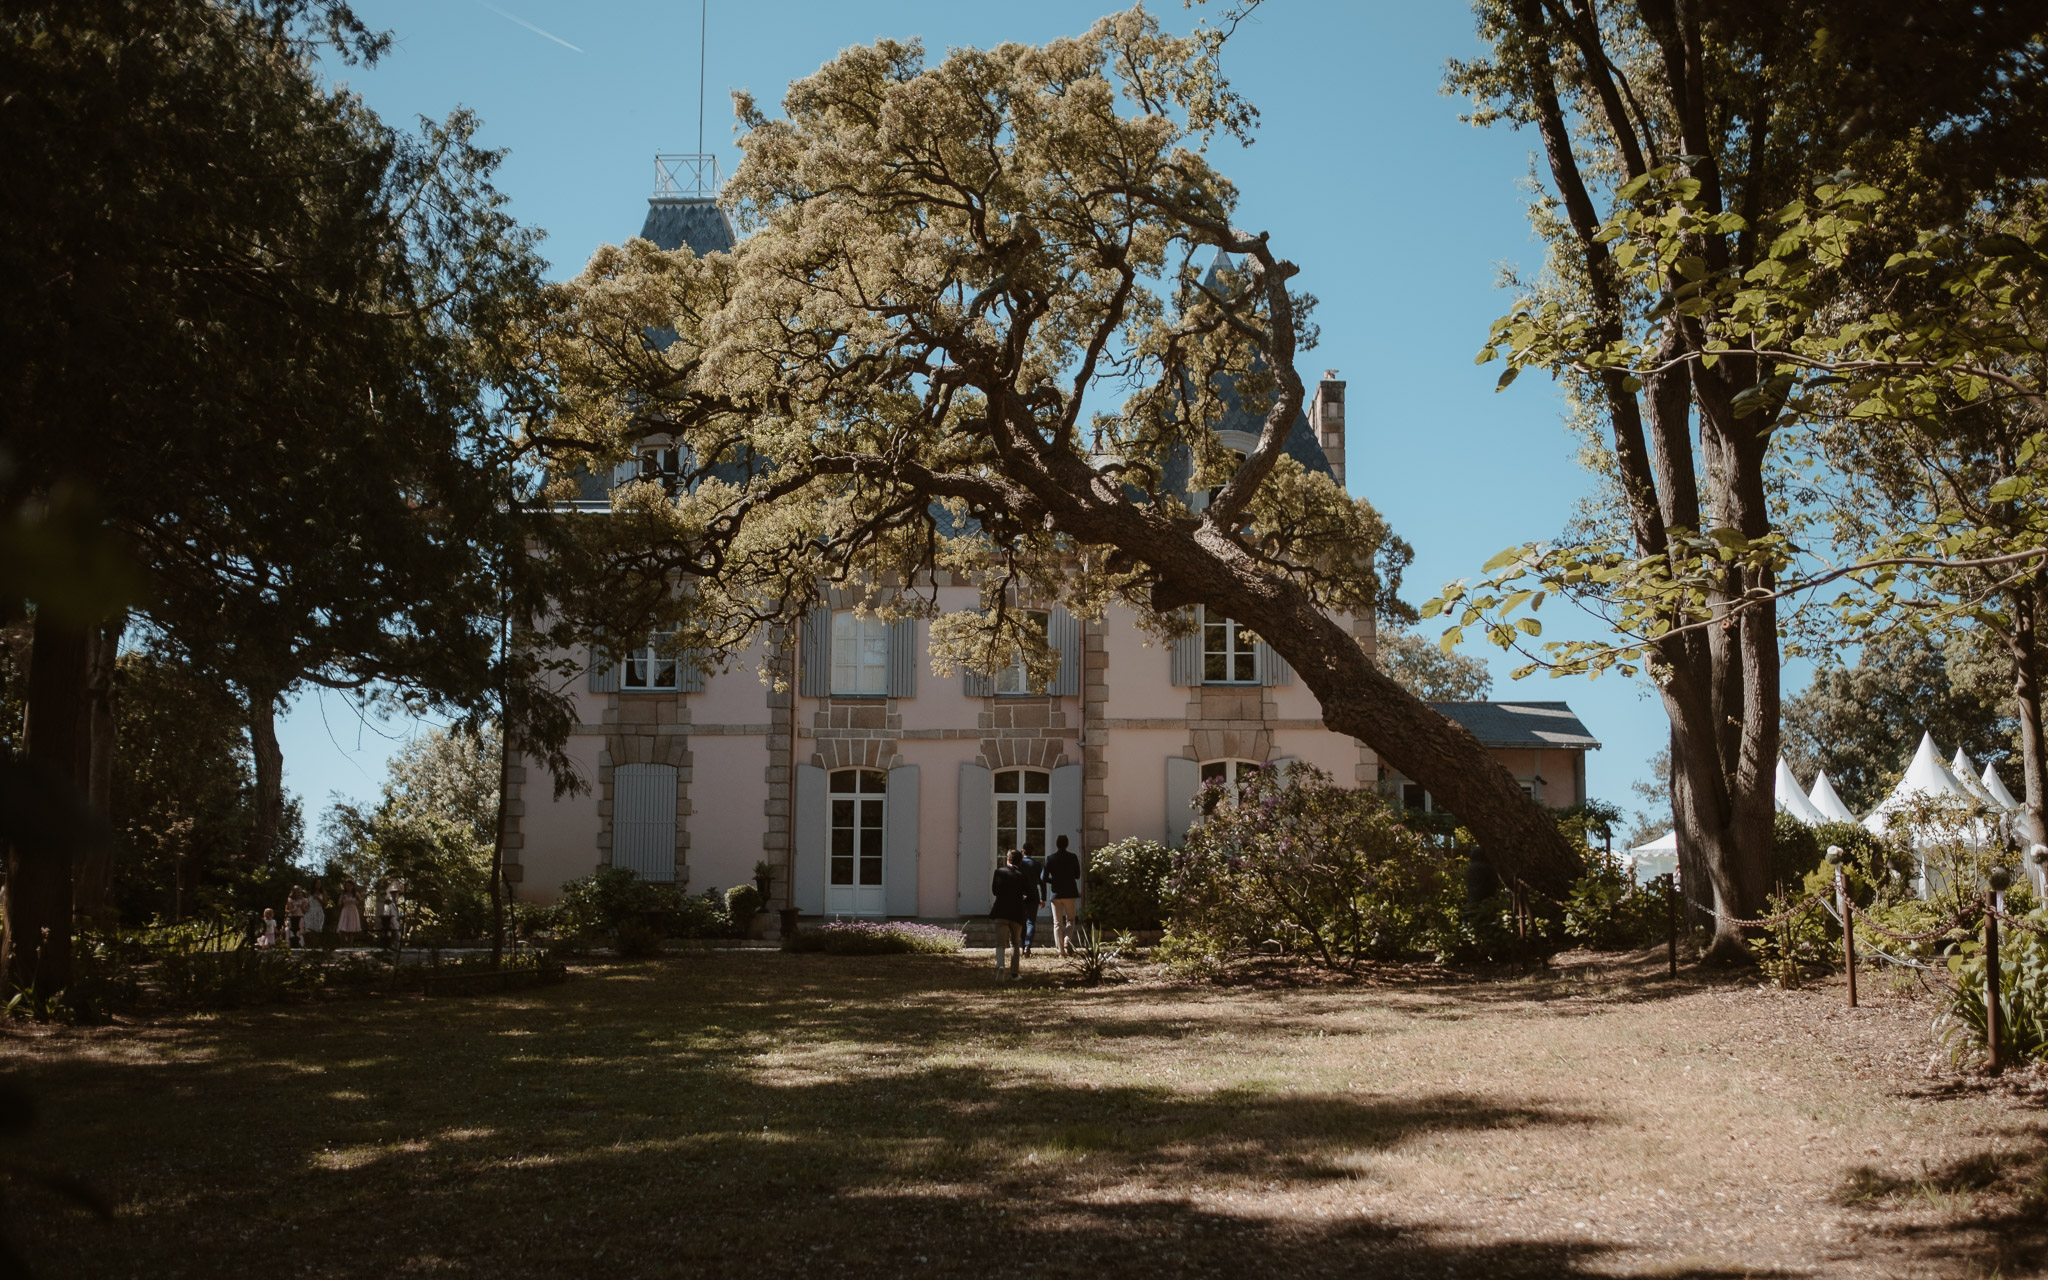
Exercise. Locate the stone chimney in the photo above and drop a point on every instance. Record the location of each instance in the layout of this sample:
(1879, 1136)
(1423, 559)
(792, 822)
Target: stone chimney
(1326, 419)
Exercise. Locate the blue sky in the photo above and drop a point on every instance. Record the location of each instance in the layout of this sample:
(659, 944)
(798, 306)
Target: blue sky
(1400, 216)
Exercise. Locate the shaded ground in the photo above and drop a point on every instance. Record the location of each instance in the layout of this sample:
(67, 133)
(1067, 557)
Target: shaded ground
(818, 1115)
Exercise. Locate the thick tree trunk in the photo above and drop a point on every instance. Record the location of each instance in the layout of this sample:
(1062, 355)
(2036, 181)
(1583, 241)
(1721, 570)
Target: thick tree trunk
(269, 761)
(2026, 696)
(498, 844)
(93, 882)
(1357, 699)
(35, 954)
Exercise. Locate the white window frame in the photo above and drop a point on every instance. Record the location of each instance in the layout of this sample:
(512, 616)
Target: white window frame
(656, 460)
(1234, 772)
(1239, 652)
(860, 654)
(646, 670)
(1033, 792)
(1015, 679)
(865, 795)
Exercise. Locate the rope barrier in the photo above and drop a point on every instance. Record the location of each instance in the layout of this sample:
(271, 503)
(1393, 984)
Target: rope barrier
(1940, 931)
(1878, 951)
(1764, 923)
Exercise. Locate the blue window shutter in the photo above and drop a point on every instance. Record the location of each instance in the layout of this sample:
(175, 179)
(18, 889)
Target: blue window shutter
(1063, 815)
(903, 658)
(1187, 659)
(604, 672)
(1183, 780)
(644, 821)
(814, 655)
(807, 863)
(1273, 669)
(899, 843)
(1064, 631)
(977, 838)
(692, 672)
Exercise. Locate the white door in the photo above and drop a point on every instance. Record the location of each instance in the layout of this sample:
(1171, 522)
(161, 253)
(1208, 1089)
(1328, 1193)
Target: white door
(858, 801)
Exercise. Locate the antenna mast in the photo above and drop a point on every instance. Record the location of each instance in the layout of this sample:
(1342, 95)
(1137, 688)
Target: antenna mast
(691, 176)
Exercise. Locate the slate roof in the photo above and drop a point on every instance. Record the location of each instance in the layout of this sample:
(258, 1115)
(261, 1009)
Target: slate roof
(697, 221)
(1520, 724)
(672, 222)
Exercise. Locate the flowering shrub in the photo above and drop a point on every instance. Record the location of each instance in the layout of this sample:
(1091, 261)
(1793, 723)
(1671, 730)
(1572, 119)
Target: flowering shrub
(878, 938)
(1127, 884)
(1318, 870)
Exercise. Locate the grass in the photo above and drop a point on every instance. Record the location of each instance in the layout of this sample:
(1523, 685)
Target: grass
(733, 1112)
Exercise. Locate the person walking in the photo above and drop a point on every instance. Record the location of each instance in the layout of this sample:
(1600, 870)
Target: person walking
(1036, 874)
(350, 925)
(1063, 883)
(1013, 899)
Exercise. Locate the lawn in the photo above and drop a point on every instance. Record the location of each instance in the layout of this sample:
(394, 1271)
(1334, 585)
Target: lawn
(761, 1113)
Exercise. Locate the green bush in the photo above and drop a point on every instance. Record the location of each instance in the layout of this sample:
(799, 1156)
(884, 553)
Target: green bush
(742, 904)
(602, 902)
(1313, 869)
(638, 941)
(2022, 996)
(863, 938)
(1127, 884)
(1608, 911)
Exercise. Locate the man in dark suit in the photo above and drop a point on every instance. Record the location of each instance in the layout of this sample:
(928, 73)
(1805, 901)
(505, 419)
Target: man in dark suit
(1013, 899)
(1063, 885)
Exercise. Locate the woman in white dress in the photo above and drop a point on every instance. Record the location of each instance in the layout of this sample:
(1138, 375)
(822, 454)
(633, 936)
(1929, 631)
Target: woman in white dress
(316, 911)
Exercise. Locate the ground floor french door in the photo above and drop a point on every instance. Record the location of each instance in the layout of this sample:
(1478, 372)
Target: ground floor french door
(854, 850)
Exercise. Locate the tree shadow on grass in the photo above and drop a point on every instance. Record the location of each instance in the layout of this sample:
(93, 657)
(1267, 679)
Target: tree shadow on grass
(1988, 1206)
(710, 1119)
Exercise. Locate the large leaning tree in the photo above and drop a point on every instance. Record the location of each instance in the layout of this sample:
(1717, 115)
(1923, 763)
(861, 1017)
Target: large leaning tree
(986, 319)
(1674, 134)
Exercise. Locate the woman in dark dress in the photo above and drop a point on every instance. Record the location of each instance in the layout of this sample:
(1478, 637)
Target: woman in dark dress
(1013, 899)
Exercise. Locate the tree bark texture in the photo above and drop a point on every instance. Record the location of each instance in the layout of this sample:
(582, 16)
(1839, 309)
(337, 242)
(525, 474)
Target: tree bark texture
(2022, 642)
(506, 757)
(1719, 686)
(93, 881)
(35, 954)
(268, 758)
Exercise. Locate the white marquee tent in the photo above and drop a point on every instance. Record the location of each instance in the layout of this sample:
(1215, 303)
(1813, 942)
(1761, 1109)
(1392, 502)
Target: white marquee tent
(1995, 788)
(1657, 858)
(1792, 800)
(1824, 799)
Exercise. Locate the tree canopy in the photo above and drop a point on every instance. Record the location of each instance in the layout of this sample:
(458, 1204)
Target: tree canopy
(986, 321)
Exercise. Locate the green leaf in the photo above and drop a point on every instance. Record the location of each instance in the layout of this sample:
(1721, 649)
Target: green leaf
(1507, 376)
(1485, 355)
(1502, 559)
(1530, 626)
(1451, 640)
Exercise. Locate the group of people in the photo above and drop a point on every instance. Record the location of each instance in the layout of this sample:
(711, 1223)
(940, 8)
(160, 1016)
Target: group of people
(305, 916)
(1020, 886)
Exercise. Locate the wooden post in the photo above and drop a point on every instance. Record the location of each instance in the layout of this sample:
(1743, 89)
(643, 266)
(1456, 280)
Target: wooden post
(1671, 921)
(1837, 857)
(2000, 877)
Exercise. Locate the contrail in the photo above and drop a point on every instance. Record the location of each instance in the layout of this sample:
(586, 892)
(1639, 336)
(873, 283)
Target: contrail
(529, 26)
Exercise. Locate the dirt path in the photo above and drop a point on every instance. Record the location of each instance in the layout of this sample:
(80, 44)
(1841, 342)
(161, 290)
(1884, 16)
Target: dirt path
(900, 1115)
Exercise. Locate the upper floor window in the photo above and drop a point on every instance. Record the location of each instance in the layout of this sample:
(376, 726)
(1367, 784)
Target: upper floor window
(655, 461)
(653, 666)
(1015, 678)
(860, 653)
(1229, 654)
